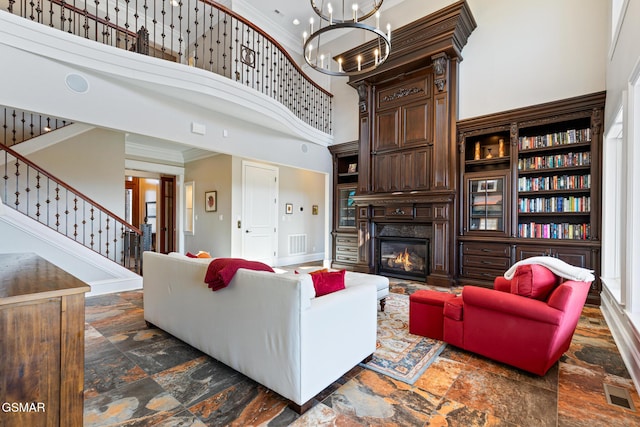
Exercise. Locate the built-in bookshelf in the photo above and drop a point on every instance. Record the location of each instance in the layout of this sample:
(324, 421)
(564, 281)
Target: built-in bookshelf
(554, 181)
(548, 164)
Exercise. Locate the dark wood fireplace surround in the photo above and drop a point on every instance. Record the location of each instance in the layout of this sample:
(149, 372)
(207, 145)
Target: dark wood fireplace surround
(406, 153)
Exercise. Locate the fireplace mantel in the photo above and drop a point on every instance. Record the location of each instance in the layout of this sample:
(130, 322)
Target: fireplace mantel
(404, 198)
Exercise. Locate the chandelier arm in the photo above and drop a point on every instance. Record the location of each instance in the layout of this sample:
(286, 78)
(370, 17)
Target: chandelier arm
(347, 25)
(321, 14)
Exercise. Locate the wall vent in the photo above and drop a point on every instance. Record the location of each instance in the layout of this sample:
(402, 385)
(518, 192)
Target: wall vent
(297, 244)
(618, 396)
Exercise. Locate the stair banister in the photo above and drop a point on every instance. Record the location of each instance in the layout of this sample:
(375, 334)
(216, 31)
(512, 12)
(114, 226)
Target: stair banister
(31, 190)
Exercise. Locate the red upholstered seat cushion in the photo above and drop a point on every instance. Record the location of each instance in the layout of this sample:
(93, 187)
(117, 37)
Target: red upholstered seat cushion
(534, 281)
(326, 282)
(221, 271)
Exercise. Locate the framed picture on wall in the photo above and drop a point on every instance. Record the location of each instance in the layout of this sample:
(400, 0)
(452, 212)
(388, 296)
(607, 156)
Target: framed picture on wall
(288, 208)
(211, 201)
(150, 209)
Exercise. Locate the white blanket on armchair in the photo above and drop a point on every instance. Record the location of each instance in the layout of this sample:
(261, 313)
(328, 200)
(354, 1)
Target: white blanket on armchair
(557, 266)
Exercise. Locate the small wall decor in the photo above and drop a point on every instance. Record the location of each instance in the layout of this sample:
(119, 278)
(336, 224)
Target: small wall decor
(288, 208)
(314, 210)
(150, 209)
(211, 201)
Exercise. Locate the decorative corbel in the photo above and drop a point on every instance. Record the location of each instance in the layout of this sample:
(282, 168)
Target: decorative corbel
(362, 97)
(514, 134)
(440, 62)
(596, 122)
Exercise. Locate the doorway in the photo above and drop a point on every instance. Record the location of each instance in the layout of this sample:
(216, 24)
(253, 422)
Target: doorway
(260, 212)
(150, 206)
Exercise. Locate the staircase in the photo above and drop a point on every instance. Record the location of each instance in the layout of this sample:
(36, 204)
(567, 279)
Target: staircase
(40, 213)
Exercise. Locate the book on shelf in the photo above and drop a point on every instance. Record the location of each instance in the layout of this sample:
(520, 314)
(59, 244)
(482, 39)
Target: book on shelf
(570, 204)
(582, 158)
(556, 182)
(571, 136)
(560, 231)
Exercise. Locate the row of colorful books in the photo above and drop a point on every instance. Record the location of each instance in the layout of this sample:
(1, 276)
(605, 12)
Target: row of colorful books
(555, 161)
(571, 136)
(554, 204)
(562, 182)
(552, 230)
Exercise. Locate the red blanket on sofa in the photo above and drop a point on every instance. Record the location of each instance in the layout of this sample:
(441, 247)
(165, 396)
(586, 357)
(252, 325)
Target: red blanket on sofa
(222, 270)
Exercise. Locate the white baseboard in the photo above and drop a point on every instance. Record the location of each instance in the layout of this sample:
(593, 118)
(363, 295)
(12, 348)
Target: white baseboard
(300, 259)
(113, 286)
(625, 334)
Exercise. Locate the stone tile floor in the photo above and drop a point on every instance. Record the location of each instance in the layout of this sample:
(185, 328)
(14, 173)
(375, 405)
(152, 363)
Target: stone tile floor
(136, 376)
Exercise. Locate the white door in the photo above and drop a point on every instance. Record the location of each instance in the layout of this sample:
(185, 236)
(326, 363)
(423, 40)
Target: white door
(260, 212)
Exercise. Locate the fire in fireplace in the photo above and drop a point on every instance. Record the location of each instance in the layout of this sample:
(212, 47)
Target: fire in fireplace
(403, 257)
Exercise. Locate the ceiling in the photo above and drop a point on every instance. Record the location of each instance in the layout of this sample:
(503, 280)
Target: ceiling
(281, 14)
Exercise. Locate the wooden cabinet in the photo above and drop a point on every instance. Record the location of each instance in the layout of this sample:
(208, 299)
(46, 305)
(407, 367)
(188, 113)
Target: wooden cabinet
(42, 342)
(486, 201)
(347, 220)
(482, 262)
(345, 208)
(549, 157)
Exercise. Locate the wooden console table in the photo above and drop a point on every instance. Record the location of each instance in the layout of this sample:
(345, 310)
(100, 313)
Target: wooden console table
(42, 342)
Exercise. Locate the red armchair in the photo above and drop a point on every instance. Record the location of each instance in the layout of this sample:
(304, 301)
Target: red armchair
(527, 322)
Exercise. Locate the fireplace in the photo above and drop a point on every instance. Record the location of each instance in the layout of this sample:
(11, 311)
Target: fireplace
(403, 257)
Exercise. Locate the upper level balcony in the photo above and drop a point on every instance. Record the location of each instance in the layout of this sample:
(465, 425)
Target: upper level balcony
(201, 34)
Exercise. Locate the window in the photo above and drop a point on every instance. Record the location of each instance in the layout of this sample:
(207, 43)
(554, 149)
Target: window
(612, 215)
(189, 211)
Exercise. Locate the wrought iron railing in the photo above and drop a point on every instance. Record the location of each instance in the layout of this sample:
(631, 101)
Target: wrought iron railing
(199, 33)
(19, 126)
(30, 190)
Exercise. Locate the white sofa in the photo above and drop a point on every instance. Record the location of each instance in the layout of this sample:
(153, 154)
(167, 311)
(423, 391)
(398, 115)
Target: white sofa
(268, 326)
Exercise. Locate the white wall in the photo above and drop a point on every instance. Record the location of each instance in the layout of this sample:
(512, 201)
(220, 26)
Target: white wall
(212, 230)
(529, 52)
(92, 163)
(302, 189)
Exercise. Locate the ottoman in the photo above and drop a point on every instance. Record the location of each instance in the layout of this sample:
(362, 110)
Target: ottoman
(426, 316)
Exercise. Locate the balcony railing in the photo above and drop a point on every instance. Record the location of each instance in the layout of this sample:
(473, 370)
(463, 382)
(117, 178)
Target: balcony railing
(30, 190)
(19, 126)
(196, 33)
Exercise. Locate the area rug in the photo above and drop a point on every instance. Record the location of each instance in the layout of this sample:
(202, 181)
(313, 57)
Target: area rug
(399, 354)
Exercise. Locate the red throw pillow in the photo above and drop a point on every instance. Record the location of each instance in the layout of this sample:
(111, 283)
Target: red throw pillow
(326, 282)
(190, 255)
(533, 281)
(221, 270)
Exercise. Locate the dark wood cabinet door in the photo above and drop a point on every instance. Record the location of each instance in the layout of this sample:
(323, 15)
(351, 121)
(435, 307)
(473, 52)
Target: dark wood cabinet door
(416, 125)
(387, 136)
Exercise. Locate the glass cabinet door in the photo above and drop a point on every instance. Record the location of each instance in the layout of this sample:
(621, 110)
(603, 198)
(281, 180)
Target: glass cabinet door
(486, 198)
(346, 208)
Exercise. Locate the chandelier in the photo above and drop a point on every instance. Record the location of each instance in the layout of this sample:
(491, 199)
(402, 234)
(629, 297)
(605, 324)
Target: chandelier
(347, 17)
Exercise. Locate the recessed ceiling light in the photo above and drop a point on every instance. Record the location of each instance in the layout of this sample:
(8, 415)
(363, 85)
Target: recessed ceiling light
(296, 21)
